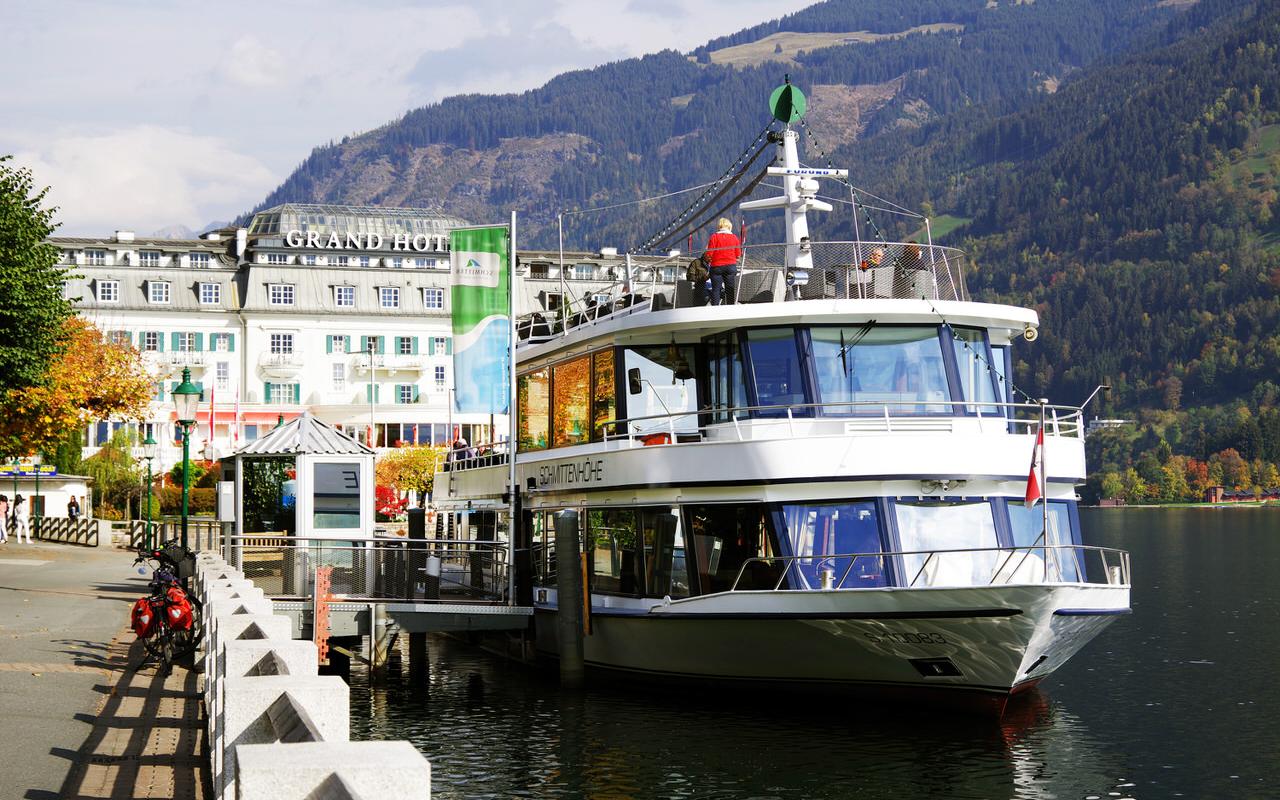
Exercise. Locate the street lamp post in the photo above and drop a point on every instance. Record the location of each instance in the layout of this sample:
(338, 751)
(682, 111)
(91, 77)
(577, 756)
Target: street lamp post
(149, 451)
(186, 396)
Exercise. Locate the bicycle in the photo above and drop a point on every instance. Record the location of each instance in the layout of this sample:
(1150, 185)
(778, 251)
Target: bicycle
(169, 621)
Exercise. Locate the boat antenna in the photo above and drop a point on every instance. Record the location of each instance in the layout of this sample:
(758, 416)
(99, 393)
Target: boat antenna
(863, 330)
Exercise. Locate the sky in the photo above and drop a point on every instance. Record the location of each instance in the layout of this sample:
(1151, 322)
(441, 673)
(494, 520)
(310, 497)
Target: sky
(141, 114)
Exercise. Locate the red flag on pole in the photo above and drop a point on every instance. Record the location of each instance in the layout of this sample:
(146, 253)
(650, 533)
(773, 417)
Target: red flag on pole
(1033, 480)
(210, 436)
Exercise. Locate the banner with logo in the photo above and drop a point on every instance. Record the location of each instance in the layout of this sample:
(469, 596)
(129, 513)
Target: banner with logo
(480, 296)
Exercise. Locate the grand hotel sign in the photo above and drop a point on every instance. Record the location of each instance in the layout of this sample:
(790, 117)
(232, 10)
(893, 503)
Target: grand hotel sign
(418, 243)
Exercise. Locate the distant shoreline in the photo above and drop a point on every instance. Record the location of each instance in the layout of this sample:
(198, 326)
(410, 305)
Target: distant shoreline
(1244, 504)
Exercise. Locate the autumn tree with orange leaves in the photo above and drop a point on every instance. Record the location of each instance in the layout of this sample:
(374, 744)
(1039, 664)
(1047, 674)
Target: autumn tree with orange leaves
(56, 371)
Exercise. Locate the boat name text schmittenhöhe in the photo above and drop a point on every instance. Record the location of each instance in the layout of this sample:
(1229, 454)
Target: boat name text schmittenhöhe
(420, 243)
(572, 472)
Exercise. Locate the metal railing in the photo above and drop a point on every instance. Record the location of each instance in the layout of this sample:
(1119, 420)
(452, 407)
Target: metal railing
(202, 534)
(431, 570)
(853, 270)
(1037, 564)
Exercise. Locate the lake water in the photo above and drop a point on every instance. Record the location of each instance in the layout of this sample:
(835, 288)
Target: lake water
(1178, 699)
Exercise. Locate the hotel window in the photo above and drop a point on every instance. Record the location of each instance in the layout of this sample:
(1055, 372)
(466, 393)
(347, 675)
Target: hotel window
(406, 393)
(282, 393)
(280, 294)
(440, 379)
(406, 345)
(277, 258)
(149, 258)
(95, 258)
(108, 291)
(158, 291)
(389, 296)
(310, 261)
(364, 261)
(121, 337)
(339, 377)
(397, 262)
(423, 263)
(185, 342)
(282, 343)
(151, 341)
(222, 375)
(222, 342)
(341, 261)
(68, 257)
(198, 259)
(439, 346)
(584, 272)
(210, 294)
(540, 269)
(433, 297)
(339, 343)
(344, 296)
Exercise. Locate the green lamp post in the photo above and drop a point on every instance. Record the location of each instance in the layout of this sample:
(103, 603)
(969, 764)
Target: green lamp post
(149, 451)
(186, 397)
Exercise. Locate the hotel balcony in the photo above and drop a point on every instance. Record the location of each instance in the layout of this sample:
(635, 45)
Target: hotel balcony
(390, 364)
(280, 365)
(187, 359)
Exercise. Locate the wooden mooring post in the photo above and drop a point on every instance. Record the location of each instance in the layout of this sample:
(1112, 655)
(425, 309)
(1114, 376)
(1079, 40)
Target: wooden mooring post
(569, 602)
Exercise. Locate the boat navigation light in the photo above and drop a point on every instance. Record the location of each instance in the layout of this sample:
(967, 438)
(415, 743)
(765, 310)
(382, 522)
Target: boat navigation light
(1030, 333)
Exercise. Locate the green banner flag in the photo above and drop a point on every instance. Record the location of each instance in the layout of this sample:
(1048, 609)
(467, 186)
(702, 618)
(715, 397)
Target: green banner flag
(481, 306)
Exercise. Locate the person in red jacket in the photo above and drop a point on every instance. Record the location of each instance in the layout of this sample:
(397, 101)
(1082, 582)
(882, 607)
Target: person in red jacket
(723, 252)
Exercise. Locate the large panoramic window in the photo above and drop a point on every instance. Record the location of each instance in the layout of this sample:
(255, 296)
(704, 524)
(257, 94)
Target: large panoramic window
(731, 543)
(775, 370)
(611, 551)
(897, 366)
(660, 387)
(927, 527)
(603, 405)
(977, 374)
(534, 403)
(571, 387)
(837, 541)
(1038, 562)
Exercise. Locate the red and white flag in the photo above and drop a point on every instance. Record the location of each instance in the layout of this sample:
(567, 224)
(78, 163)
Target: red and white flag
(1033, 479)
(211, 414)
(235, 429)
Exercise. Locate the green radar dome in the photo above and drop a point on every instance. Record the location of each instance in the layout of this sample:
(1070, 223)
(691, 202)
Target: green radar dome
(787, 103)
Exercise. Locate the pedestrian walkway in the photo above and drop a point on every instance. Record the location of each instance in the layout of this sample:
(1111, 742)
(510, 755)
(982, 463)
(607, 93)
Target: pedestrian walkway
(147, 739)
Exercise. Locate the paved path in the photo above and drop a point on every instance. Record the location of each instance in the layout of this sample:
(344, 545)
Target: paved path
(69, 700)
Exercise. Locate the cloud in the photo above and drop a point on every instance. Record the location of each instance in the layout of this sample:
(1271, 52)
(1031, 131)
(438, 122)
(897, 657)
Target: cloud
(254, 65)
(143, 177)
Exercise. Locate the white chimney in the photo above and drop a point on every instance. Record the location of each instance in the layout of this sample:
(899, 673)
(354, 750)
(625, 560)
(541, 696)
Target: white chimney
(124, 236)
(212, 236)
(606, 252)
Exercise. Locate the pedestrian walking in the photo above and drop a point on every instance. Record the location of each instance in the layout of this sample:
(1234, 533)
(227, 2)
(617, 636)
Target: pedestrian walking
(21, 518)
(4, 518)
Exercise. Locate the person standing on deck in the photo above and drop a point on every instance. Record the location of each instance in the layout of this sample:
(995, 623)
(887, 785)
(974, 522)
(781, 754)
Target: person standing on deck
(723, 252)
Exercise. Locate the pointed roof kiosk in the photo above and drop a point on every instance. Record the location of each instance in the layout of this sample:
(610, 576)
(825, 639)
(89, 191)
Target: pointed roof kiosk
(305, 479)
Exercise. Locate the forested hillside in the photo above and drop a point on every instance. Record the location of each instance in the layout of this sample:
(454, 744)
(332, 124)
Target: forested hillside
(1114, 163)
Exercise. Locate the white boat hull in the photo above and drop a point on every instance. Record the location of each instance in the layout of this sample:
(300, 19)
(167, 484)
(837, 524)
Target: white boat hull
(989, 640)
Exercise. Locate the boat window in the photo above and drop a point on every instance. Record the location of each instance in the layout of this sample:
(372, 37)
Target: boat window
(611, 551)
(731, 538)
(727, 380)
(899, 367)
(976, 367)
(775, 370)
(533, 395)
(1040, 564)
(927, 527)
(1000, 361)
(571, 400)
(667, 388)
(603, 404)
(834, 537)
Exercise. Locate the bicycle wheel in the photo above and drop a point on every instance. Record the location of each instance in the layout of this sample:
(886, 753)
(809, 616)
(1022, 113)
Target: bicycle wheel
(186, 641)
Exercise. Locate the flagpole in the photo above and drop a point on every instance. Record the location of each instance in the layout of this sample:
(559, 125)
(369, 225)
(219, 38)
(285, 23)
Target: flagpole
(514, 493)
(1044, 493)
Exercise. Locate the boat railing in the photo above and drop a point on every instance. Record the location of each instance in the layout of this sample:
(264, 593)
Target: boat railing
(851, 270)
(422, 570)
(983, 566)
(745, 423)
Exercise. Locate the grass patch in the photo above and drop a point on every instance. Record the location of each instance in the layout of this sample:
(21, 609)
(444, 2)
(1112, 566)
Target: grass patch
(942, 226)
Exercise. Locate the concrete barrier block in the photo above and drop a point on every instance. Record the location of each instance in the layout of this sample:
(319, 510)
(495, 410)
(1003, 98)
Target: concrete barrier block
(325, 698)
(382, 770)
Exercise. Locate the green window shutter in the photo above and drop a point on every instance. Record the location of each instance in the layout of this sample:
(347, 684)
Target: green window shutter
(200, 385)
(397, 387)
(415, 345)
(199, 342)
(231, 342)
(160, 391)
(364, 342)
(160, 341)
(415, 393)
(368, 393)
(175, 340)
(448, 346)
(297, 394)
(382, 342)
(328, 344)
(266, 392)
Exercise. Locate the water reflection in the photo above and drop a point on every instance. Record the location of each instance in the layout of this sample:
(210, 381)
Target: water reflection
(1173, 700)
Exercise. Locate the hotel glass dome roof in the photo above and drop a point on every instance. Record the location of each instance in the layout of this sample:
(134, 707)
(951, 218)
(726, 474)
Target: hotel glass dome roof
(324, 218)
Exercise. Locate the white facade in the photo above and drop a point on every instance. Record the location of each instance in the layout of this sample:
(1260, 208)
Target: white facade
(309, 307)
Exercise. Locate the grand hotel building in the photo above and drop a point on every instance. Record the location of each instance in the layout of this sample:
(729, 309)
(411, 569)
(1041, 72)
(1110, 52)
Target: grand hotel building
(339, 310)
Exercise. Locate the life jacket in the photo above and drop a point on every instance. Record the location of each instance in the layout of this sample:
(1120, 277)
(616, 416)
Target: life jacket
(178, 609)
(143, 618)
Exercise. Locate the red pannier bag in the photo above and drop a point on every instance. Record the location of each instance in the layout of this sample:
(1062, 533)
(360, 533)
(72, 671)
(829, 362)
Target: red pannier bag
(143, 618)
(179, 609)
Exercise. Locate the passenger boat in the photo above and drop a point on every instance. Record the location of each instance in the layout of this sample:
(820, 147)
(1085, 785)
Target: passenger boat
(822, 486)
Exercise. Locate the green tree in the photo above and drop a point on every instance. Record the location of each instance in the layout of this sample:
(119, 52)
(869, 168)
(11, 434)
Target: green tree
(33, 310)
(117, 476)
